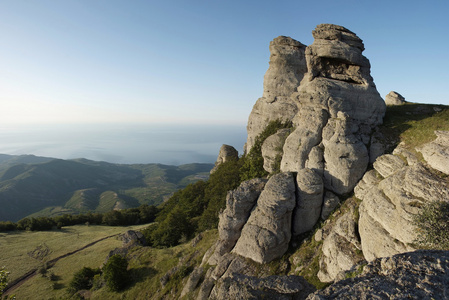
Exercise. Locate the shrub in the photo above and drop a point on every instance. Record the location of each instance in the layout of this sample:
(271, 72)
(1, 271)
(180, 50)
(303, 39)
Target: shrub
(115, 273)
(82, 280)
(432, 222)
(3, 280)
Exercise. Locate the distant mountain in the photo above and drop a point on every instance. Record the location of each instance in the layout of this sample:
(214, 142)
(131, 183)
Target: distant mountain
(39, 186)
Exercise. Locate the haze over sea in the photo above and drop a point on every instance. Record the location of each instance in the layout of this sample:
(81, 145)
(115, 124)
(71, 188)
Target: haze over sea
(136, 143)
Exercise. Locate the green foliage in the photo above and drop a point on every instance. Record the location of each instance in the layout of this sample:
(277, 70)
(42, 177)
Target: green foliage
(224, 179)
(3, 280)
(253, 161)
(169, 232)
(82, 280)
(432, 222)
(115, 273)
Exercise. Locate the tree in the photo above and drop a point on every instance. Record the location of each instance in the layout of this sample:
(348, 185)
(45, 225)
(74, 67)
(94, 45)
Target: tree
(170, 231)
(115, 272)
(82, 280)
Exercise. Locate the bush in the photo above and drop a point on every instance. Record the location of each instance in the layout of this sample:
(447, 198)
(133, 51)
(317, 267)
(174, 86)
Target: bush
(3, 280)
(432, 222)
(82, 280)
(115, 273)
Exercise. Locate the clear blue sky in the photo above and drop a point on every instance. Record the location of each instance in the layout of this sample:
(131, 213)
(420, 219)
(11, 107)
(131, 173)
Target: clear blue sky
(195, 61)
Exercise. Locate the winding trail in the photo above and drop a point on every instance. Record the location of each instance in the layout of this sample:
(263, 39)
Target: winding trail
(30, 274)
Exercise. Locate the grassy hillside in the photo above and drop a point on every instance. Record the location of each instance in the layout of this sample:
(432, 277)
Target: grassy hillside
(24, 251)
(53, 186)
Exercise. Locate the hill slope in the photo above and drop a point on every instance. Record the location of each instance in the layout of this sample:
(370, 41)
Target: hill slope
(29, 184)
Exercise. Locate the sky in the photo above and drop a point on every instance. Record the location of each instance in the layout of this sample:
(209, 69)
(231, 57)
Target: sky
(196, 62)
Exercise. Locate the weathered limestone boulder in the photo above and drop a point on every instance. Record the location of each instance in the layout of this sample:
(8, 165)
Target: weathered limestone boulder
(239, 204)
(389, 202)
(338, 108)
(266, 234)
(346, 156)
(394, 98)
(388, 164)
(340, 248)
(192, 281)
(309, 201)
(272, 149)
(416, 275)
(238, 286)
(226, 153)
(330, 202)
(286, 70)
(436, 153)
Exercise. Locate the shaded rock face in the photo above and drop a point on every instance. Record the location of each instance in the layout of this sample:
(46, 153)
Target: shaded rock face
(286, 70)
(239, 286)
(392, 193)
(226, 153)
(416, 275)
(394, 98)
(267, 232)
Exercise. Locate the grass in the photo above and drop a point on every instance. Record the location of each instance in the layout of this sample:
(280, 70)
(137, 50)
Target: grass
(146, 265)
(414, 124)
(15, 247)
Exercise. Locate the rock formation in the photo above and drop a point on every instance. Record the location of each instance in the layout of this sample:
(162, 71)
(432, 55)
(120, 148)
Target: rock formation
(226, 153)
(394, 98)
(267, 232)
(436, 153)
(417, 275)
(327, 92)
(287, 68)
(392, 193)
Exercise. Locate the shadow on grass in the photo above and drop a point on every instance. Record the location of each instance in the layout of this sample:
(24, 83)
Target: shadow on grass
(140, 274)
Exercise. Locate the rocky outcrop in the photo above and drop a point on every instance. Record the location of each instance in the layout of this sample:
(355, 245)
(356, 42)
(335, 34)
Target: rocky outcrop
(286, 70)
(416, 275)
(267, 232)
(394, 98)
(340, 248)
(436, 153)
(239, 204)
(272, 150)
(338, 108)
(331, 201)
(309, 200)
(392, 193)
(238, 286)
(226, 153)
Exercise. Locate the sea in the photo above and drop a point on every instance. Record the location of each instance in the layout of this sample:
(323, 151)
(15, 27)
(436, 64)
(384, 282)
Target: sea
(172, 144)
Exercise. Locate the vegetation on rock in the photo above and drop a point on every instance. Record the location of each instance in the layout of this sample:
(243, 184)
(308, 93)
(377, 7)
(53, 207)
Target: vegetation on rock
(432, 222)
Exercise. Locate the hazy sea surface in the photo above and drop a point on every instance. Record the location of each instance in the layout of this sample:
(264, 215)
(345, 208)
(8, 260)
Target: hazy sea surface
(137, 143)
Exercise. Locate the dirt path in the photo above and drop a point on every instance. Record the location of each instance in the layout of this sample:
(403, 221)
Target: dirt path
(30, 274)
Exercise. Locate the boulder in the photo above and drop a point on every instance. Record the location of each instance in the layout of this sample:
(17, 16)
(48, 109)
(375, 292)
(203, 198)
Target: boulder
(330, 202)
(388, 164)
(394, 98)
(340, 248)
(239, 204)
(267, 233)
(309, 201)
(272, 150)
(436, 153)
(286, 70)
(421, 274)
(238, 286)
(226, 153)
